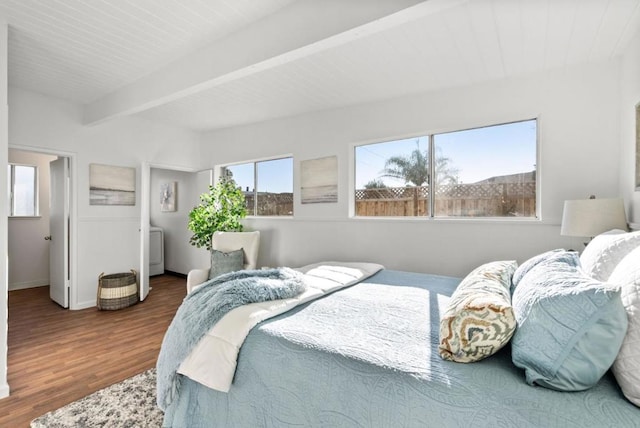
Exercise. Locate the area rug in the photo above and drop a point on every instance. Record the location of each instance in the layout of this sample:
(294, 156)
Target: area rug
(130, 403)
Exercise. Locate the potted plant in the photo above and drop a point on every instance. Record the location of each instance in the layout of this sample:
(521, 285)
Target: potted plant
(220, 209)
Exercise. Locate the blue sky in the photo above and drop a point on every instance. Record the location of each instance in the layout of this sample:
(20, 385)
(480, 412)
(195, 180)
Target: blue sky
(275, 176)
(477, 153)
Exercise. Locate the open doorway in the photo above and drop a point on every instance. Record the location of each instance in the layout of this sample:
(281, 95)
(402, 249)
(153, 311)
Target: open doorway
(170, 194)
(39, 225)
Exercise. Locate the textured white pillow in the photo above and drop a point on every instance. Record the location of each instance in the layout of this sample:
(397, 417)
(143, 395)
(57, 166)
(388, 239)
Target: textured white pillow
(626, 367)
(605, 251)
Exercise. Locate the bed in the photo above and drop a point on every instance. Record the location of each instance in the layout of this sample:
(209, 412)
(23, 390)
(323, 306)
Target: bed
(367, 356)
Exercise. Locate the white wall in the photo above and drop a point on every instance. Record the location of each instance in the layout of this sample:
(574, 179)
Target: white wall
(629, 98)
(107, 236)
(179, 255)
(4, 150)
(28, 251)
(579, 155)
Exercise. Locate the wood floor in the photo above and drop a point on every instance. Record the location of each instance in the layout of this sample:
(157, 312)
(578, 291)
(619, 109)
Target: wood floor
(57, 356)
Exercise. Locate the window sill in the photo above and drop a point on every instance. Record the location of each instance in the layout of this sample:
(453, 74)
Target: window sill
(468, 220)
(268, 217)
(422, 220)
(25, 217)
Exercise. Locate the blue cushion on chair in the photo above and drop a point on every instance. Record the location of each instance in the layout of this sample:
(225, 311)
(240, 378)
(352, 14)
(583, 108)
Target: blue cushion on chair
(222, 262)
(569, 326)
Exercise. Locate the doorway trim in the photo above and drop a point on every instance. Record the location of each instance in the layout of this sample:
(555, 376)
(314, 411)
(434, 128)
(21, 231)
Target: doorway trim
(145, 217)
(73, 215)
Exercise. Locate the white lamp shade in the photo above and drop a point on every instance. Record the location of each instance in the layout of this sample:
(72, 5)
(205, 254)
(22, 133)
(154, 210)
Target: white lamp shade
(590, 217)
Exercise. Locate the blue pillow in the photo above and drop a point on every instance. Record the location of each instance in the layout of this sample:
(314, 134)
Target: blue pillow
(222, 262)
(569, 326)
(570, 257)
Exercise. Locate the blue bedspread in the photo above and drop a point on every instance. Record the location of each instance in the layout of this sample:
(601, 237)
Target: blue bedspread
(366, 356)
(206, 305)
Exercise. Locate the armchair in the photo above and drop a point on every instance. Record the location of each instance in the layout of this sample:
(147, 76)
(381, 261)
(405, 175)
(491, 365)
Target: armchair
(228, 241)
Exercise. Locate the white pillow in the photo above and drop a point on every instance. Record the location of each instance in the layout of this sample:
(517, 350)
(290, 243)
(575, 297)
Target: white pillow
(626, 367)
(605, 251)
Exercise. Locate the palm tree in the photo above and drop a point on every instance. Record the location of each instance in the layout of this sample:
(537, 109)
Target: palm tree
(445, 172)
(414, 169)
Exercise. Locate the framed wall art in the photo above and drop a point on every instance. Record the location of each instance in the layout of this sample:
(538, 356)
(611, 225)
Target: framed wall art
(168, 197)
(111, 185)
(319, 180)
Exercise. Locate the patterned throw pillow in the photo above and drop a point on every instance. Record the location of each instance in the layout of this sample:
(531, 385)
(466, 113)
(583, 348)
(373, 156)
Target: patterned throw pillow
(479, 319)
(626, 367)
(570, 326)
(222, 262)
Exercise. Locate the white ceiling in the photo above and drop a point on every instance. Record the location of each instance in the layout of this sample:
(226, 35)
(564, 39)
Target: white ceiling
(80, 50)
(105, 53)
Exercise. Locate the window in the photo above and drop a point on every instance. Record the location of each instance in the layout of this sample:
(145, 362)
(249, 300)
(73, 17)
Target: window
(23, 190)
(392, 177)
(481, 172)
(267, 185)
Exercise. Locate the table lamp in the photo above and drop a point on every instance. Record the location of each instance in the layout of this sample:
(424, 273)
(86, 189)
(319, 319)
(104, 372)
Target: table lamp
(590, 217)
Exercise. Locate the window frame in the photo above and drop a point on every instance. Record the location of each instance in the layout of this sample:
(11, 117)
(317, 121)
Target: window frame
(220, 169)
(12, 190)
(430, 135)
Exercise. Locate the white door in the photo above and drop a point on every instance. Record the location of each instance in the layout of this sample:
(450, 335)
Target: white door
(59, 232)
(143, 274)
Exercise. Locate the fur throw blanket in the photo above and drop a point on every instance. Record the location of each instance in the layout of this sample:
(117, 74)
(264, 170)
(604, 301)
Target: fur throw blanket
(206, 305)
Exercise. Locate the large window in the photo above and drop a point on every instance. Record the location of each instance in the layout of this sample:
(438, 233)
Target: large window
(481, 172)
(267, 185)
(23, 190)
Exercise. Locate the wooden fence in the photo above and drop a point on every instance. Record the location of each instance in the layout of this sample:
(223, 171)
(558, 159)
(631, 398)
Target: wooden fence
(459, 200)
(275, 204)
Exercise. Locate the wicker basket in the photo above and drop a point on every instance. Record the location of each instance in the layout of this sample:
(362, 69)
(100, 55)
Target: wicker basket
(117, 290)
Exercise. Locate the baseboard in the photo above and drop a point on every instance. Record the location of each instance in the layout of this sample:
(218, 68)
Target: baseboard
(178, 274)
(4, 390)
(83, 305)
(28, 284)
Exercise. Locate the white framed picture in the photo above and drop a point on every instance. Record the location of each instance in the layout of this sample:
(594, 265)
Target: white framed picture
(168, 196)
(319, 180)
(111, 185)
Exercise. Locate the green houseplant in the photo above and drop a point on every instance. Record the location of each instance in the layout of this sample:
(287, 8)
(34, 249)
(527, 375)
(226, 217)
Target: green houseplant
(220, 209)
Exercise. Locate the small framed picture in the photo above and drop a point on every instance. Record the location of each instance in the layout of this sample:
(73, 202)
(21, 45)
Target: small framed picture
(168, 197)
(319, 178)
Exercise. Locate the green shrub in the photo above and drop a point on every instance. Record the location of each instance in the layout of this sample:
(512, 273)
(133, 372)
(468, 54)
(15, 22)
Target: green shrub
(220, 209)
